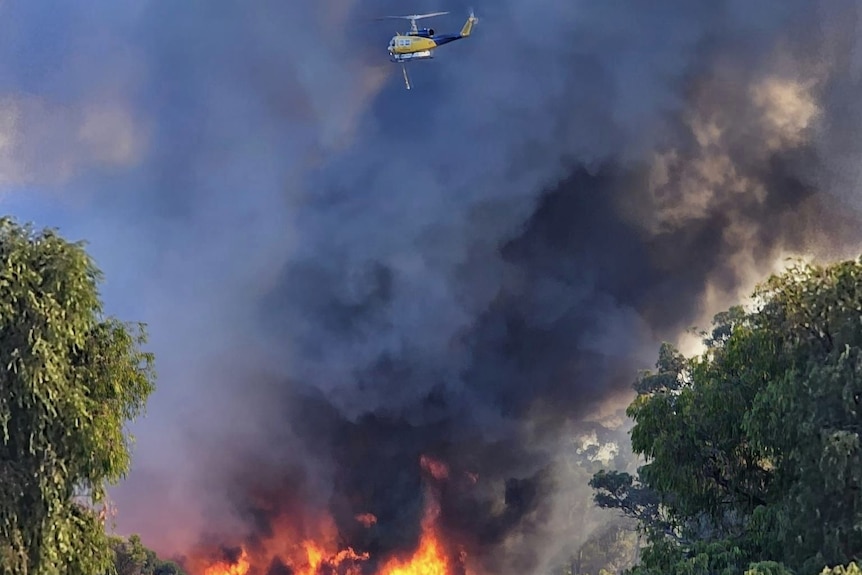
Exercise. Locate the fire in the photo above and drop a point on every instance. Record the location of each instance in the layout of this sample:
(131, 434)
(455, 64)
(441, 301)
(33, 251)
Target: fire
(429, 559)
(240, 567)
(316, 557)
(317, 551)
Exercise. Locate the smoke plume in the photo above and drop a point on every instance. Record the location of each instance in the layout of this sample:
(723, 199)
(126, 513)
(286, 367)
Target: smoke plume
(344, 279)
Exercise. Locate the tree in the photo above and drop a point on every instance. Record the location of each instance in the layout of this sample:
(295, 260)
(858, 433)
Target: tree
(70, 380)
(132, 558)
(807, 419)
(753, 447)
(623, 492)
(610, 548)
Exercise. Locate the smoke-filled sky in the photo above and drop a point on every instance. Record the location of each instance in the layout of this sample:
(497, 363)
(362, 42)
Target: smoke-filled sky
(340, 275)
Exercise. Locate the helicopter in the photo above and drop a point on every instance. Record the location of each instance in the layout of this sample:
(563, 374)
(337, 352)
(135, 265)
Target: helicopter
(419, 44)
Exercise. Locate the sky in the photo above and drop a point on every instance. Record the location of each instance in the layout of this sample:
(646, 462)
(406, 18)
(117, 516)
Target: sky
(487, 258)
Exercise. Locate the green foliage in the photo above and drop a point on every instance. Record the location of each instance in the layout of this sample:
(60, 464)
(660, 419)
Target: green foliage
(132, 558)
(808, 417)
(773, 568)
(851, 569)
(753, 447)
(702, 557)
(768, 568)
(70, 380)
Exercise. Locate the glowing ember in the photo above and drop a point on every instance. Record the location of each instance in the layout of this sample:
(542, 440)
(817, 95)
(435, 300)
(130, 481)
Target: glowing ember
(367, 519)
(437, 469)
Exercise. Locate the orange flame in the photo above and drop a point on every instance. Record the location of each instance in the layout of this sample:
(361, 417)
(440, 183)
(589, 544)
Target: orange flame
(429, 559)
(241, 566)
(318, 553)
(316, 557)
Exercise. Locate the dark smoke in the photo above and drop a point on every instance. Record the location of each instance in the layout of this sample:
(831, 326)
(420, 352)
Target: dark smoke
(342, 276)
(562, 332)
(448, 325)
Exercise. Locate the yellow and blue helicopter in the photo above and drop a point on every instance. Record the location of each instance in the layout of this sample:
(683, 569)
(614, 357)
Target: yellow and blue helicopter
(419, 44)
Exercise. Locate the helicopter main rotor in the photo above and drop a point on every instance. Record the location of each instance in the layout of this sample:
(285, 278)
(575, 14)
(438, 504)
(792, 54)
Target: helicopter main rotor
(413, 18)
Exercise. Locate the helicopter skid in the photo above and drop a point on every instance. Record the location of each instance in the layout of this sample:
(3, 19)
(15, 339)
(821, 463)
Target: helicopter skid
(424, 55)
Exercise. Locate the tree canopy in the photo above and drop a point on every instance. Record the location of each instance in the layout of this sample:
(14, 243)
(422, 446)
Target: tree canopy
(131, 557)
(752, 447)
(70, 380)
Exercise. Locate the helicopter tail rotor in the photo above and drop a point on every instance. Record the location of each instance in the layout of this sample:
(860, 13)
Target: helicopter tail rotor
(468, 25)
